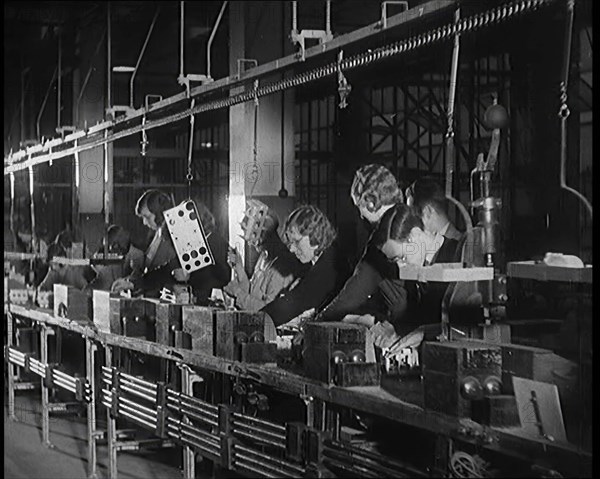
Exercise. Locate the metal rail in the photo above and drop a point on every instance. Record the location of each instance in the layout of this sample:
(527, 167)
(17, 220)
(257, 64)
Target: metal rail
(475, 22)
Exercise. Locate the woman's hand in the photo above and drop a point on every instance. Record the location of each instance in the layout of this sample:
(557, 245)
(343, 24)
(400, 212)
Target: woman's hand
(121, 284)
(364, 319)
(299, 320)
(180, 275)
(411, 340)
(233, 257)
(233, 288)
(383, 334)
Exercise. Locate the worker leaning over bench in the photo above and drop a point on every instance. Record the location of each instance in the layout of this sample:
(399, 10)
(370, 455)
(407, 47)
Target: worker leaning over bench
(311, 237)
(119, 242)
(61, 273)
(374, 190)
(162, 268)
(150, 207)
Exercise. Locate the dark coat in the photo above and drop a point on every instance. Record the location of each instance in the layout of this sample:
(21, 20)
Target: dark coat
(215, 276)
(318, 285)
(412, 303)
(361, 292)
(202, 281)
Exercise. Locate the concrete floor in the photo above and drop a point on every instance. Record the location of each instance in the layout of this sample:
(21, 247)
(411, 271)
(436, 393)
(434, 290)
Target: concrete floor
(26, 458)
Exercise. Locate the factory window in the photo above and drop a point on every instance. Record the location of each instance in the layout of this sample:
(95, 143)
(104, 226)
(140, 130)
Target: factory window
(316, 184)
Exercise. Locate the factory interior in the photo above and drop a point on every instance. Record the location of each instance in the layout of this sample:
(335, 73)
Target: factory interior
(325, 238)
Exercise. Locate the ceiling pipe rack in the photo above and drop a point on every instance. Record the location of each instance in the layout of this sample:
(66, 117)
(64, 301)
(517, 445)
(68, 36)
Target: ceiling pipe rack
(51, 146)
(92, 137)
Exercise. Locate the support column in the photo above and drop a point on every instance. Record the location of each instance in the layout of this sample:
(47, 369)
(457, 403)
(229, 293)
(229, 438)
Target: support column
(45, 399)
(90, 350)
(89, 96)
(258, 30)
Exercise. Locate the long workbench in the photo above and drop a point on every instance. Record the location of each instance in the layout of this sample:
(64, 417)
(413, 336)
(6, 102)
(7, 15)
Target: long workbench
(400, 407)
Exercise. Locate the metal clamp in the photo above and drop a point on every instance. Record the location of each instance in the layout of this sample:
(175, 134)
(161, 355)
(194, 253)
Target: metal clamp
(383, 22)
(322, 36)
(244, 61)
(148, 97)
(344, 87)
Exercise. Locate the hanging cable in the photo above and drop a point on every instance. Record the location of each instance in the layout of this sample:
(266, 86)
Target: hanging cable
(106, 197)
(12, 202)
(450, 131)
(144, 142)
(254, 172)
(190, 175)
(563, 111)
(32, 205)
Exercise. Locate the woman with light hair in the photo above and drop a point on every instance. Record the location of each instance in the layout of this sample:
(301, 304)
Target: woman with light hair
(276, 267)
(310, 236)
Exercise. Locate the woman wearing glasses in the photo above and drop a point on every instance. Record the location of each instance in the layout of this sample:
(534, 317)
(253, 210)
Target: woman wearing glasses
(310, 236)
(402, 238)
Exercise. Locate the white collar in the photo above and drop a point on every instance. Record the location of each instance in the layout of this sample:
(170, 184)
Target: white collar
(444, 229)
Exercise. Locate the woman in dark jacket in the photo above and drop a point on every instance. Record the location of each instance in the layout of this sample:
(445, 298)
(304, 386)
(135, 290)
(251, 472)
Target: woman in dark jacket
(160, 254)
(162, 266)
(310, 237)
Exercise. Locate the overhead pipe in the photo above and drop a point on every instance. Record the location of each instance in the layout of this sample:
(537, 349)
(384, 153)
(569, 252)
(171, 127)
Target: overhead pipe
(108, 59)
(88, 75)
(137, 65)
(450, 133)
(17, 161)
(43, 107)
(23, 73)
(212, 37)
(59, 92)
(181, 35)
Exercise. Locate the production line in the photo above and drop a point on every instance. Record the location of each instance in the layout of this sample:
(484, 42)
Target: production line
(241, 323)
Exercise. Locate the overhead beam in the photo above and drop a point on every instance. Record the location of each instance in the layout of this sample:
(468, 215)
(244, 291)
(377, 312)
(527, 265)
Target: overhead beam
(231, 81)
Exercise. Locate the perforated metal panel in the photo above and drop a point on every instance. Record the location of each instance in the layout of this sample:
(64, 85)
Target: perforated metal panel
(188, 237)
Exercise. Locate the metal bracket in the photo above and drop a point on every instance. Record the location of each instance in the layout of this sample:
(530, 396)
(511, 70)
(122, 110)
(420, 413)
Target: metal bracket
(185, 81)
(61, 130)
(323, 36)
(27, 143)
(148, 97)
(383, 22)
(115, 110)
(244, 61)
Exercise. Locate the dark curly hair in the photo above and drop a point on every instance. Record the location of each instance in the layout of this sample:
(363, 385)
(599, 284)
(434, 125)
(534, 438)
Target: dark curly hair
(396, 224)
(427, 191)
(311, 221)
(157, 202)
(377, 185)
(119, 240)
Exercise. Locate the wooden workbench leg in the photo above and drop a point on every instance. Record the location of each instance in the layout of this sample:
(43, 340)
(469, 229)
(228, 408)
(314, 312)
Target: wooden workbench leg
(189, 465)
(443, 453)
(112, 427)
(90, 350)
(45, 398)
(11, 367)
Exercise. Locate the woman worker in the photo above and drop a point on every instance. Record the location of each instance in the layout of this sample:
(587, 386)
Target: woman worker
(160, 253)
(310, 237)
(276, 267)
(414, 308)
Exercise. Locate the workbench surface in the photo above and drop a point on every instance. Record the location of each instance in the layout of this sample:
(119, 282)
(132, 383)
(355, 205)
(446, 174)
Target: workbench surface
(403, 406)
